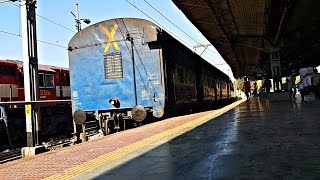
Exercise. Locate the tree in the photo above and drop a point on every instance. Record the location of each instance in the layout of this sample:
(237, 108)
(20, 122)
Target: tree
(239, 83)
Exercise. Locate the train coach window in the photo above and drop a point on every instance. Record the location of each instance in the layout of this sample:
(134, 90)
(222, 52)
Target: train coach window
(49, 81)
(7, 70)
(46, 80)
(113, 66)
(41, 80)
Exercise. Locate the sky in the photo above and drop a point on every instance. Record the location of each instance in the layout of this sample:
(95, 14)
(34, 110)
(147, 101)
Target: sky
(59, 12)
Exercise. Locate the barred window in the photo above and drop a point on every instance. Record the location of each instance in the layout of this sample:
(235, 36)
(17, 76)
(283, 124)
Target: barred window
(113, 66)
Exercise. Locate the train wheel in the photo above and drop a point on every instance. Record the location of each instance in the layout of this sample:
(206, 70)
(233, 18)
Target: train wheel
(107, 127)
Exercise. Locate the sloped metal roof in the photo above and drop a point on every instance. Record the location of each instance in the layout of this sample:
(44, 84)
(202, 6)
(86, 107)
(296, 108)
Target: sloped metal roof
(246, 31)
(233, 27)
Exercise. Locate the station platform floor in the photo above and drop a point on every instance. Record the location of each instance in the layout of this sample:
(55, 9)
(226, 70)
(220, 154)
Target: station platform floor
(259, 139)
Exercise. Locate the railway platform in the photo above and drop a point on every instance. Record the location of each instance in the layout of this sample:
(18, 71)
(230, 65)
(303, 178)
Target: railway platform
(259, 139)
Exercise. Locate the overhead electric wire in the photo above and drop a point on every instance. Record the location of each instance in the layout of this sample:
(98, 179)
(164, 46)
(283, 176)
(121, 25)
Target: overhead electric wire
(162, 26)
(4, 1)
(56, 23)
(57, 45)
(175, 24)
(171, 21)
(45, 42)
(49, 20)
(6, 32)
(131, 5)
(167, 29)
(14, 4)
(157, 22)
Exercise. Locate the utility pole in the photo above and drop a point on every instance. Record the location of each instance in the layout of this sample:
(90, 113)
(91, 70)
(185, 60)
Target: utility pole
(78, 20)
(78, 28)
(30, 69)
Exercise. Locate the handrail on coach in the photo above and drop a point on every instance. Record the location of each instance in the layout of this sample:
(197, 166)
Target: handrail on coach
(35, 102)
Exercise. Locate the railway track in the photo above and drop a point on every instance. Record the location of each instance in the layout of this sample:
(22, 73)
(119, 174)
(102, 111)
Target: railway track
(10, 155)
(15, 154)
(55, 144)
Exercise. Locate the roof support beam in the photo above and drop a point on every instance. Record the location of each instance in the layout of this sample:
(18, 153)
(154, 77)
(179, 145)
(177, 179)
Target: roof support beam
(284, 14)
(193, 5)
(213, 11)
(248, 36)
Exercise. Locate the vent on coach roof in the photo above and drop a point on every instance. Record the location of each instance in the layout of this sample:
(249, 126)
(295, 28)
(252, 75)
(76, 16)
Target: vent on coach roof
(113, 66)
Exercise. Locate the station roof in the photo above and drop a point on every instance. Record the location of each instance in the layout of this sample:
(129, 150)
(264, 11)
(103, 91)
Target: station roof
(245, 32)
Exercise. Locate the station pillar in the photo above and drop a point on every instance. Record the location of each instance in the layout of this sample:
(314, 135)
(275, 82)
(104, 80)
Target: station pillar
(30, 69)
(276, 69)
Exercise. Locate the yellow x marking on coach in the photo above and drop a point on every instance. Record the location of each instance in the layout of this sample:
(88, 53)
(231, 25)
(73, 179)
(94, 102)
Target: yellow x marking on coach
(111, 38)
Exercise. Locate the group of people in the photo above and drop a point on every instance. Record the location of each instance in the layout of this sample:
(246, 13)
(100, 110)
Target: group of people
(309, 82)
(247, 86)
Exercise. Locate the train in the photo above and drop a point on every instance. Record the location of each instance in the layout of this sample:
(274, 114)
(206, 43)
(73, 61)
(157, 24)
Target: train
(54, 84)
(127, 69)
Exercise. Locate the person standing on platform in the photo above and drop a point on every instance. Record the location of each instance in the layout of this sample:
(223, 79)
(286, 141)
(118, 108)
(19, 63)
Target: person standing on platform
(301, 89)
(316, 83)
(292, 85)
(255, 89)
(247, 88)
(305, 76)
(267, 85)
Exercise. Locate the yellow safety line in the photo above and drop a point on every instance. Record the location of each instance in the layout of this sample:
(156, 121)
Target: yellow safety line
(111, 156)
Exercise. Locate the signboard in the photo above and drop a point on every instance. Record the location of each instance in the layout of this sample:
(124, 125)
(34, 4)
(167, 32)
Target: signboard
(28, 118)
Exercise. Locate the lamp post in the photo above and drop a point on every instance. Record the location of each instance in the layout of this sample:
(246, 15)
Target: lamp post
(78, 20)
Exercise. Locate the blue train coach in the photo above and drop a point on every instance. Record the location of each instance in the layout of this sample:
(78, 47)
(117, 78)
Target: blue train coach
(126, 68)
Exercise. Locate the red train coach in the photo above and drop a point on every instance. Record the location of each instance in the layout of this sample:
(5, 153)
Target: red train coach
(8, 81)
(54, 82)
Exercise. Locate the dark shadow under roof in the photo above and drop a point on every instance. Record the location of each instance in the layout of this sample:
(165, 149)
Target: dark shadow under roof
(246, 31)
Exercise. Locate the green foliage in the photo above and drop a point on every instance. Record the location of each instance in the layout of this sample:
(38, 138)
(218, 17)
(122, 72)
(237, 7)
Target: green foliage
(239, 83)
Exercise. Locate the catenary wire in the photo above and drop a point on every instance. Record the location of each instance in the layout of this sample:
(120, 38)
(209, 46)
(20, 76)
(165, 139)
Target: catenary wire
(48, 20)
(175, 24)
(130, 4)
(165, 28)
(45, 42)
(4, 1)
(6, 32)
(158, 23)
